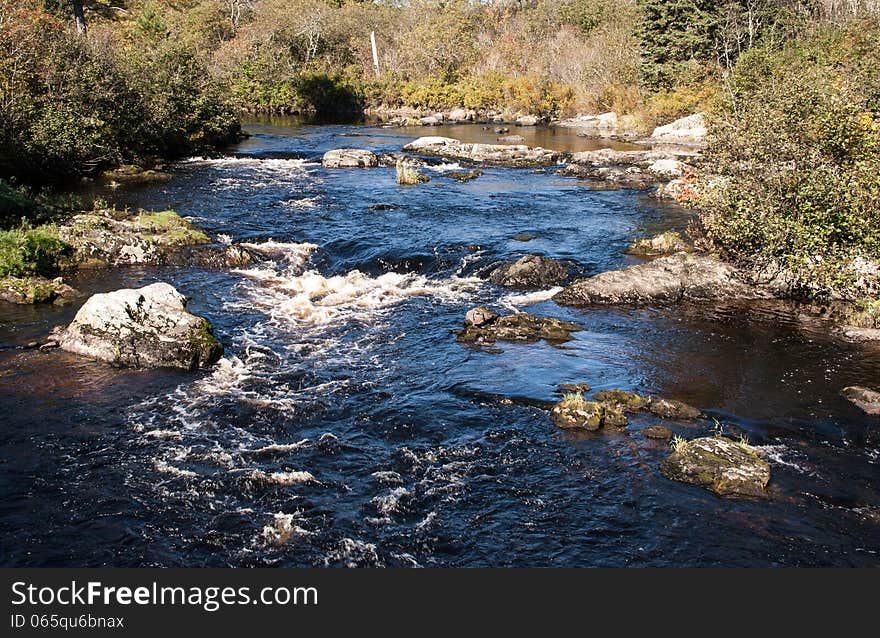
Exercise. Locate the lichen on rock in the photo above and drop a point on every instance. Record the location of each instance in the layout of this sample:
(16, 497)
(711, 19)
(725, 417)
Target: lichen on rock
(719, 465)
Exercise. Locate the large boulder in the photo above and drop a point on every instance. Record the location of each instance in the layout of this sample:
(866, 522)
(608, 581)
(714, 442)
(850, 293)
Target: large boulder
(495, 154)
(686, 130)
(530, 272)
(866, 399)
(349, 158)
(720, 465)
(147, 327)
(664, 280)
(485, 327)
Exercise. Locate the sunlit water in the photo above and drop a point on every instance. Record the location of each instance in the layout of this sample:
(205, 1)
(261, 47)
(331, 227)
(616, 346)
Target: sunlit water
(346, 426)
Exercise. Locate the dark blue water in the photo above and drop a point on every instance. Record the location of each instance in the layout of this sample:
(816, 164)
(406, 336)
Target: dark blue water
(346, 415)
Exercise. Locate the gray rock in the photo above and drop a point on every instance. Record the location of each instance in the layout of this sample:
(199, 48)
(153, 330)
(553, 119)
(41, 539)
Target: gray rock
(666, 243)
(530, 272)
(479, 316)
(147, 327)
(528, 120)
(720, 465)
(511, 139)
(494, 154)
(664, 280)
(866, 399)
(686, 130)
(349, 158)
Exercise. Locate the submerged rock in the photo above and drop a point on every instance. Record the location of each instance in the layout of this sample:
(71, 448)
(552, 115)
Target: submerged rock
(521, 327)
(720, 465)
(496, 154)
(34, 290)
(672, 409)
(511, 139)
(349, 158)
(664, 280)
(574, 387)
(657, 432)
(464, 176)
(147, 327)
(666, 243)
(866, 399)
(530, 272)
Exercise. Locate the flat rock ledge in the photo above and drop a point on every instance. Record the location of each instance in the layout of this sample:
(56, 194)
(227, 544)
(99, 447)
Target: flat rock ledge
(146, 327)
(864, 398)
(483, 326)
(491, 154)
(719, 465)
(664, 280)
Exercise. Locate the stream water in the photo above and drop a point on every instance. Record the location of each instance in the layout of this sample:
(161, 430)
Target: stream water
(346, 426)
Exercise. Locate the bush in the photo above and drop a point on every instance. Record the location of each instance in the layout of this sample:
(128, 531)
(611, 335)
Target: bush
(31, 251)
(74, 105)
(798, 152)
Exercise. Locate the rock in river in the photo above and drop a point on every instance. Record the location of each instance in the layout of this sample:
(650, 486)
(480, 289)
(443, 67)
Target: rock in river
(496, 154)
(147, 327)
(866, 399)
(719, 465)
(672, 409)
(530, 272)
(521, 327)
(349, 158)
(664, 280)
(666, 243)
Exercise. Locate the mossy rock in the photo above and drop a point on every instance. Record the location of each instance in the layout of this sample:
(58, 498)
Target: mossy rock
(625, 401)
(672, 409)
(35, 290)
(657, 432)
(578, 414)
(720, 465)
(519, 327)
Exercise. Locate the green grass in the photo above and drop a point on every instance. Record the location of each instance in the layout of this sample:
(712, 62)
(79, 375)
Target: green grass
(678, 443)
(27, 251)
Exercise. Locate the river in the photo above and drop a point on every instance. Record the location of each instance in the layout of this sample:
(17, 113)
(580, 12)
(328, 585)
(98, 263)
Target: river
(345, 426)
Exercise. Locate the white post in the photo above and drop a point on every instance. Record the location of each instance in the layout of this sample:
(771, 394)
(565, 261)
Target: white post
(375, 52)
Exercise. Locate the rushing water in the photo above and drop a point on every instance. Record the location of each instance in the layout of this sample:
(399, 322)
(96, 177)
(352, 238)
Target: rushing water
(346, 426)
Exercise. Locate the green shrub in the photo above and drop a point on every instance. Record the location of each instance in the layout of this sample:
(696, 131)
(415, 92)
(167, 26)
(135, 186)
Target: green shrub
(31, 251)
(798, 151)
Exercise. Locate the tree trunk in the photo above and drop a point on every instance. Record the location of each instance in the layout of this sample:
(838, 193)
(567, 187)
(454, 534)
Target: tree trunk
(79, 16)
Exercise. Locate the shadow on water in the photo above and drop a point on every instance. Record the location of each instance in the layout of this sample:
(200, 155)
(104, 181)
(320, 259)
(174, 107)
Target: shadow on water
(346, 426)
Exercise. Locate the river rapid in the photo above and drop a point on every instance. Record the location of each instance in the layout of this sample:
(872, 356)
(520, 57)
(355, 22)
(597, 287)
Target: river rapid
(345, 426)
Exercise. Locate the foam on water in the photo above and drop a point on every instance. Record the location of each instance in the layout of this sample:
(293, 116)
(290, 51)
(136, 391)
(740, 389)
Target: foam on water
(311, 298)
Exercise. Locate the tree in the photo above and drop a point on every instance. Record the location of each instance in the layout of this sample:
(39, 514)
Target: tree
(79, 16)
